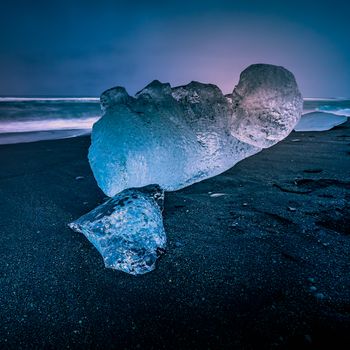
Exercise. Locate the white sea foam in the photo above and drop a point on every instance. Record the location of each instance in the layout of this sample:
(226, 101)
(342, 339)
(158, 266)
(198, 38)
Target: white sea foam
(25, 137)
(325, 99)
(46, 125)
(335, 110)
(26, 119)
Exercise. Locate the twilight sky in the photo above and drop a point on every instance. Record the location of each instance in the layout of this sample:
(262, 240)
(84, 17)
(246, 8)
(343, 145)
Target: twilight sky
(83, 47)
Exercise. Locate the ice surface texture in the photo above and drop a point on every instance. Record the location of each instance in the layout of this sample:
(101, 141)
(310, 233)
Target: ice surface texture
(319, 121)
(267, 105)
(127, 230)
(174, 137)
(177, 136)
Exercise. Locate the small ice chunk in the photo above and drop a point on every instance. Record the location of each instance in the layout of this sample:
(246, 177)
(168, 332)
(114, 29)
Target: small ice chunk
(319, 121)
(214, 195)
(320, 296)
(127, 230)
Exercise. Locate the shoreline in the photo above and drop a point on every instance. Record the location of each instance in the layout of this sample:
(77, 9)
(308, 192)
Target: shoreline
(257, 257)
(11, 138)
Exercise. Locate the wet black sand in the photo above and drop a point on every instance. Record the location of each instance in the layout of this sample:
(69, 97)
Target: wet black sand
(265, 266)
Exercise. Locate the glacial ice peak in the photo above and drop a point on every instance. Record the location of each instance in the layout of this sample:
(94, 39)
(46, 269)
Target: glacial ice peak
(113, 96)
(177, 136)
(155, 90)
(196, 92)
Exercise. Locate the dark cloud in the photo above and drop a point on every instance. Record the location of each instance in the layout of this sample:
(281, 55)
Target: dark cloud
(83, 47)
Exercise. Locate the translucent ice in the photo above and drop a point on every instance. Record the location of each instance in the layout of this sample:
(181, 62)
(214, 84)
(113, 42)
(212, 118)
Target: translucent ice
(319, 121)
(267, 105)
(177, 136)
(174, 137)
(127, 230)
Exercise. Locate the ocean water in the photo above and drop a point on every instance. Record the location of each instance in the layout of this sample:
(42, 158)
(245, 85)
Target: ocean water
(35, 119)
(336, 106)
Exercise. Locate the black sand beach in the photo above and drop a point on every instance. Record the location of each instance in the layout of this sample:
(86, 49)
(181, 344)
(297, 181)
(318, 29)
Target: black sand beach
(267, 265)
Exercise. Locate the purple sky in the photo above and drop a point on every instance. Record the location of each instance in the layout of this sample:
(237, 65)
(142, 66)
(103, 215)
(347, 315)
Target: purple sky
(81, 48)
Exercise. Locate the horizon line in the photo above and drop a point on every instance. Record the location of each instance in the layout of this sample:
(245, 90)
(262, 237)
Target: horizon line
(94, 98)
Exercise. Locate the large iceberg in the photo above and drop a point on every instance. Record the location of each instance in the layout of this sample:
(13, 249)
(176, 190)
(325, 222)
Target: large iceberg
(174, 137)
(177, 136)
